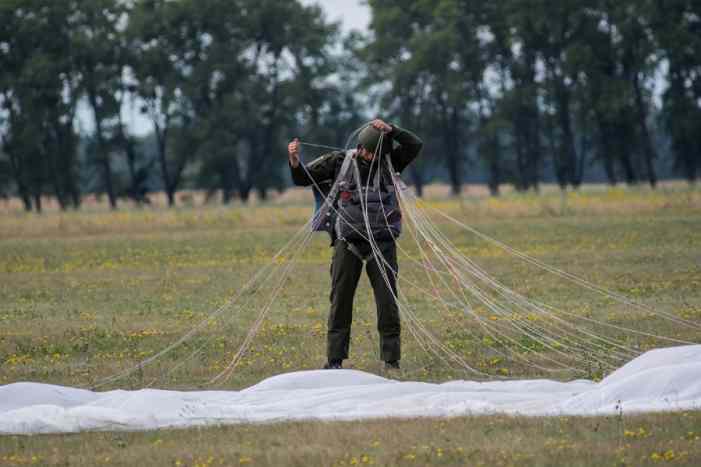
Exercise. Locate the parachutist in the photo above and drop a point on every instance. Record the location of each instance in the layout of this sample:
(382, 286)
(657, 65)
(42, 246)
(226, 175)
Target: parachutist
(364, 222)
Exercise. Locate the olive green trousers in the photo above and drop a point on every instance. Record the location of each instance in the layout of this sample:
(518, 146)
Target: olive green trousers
(346, 268)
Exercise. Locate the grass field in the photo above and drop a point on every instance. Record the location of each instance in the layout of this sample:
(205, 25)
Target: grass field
(83, 295)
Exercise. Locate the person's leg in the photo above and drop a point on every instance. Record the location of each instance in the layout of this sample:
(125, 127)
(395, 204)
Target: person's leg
(345, 272)
(388, 324)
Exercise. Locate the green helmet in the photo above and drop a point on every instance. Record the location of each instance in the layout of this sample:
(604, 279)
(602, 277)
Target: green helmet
(370, 136)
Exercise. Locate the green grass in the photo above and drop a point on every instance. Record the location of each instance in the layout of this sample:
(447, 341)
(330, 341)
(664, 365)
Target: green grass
(659, 439)
(83, 295)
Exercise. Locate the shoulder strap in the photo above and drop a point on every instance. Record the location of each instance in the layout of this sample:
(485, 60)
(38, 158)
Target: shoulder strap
(324, 209)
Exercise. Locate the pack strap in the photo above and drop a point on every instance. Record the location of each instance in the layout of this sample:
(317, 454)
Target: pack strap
(324, 209)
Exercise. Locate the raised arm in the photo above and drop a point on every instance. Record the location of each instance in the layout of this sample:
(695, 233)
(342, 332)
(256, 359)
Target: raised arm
(320, 169)
(409, 147)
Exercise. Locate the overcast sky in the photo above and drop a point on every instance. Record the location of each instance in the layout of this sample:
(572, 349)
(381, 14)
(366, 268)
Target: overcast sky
(353, 14)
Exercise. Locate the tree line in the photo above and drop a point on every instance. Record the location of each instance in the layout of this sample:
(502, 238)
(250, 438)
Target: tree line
(517, 90)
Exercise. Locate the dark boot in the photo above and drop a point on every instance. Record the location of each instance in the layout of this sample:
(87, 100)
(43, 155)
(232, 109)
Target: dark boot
(333, 365)
(392, 365)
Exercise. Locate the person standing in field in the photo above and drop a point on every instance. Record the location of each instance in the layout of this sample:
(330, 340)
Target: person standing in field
(365, 189)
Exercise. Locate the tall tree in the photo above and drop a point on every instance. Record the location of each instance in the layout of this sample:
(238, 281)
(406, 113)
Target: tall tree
(677, 28)
(560, 34)
(415, 49)
(167, 41)
(97, 27)
(639, 62)
(290, 50)
(38, 92)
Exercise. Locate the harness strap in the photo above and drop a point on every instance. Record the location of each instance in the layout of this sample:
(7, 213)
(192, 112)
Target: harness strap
(324, 209)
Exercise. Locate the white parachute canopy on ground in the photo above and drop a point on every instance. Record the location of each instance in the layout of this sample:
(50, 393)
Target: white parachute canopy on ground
(660, 380)
(529, 334)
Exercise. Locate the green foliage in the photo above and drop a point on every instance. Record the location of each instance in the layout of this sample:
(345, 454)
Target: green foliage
(525, 91)
(540, 79)
(38, 96)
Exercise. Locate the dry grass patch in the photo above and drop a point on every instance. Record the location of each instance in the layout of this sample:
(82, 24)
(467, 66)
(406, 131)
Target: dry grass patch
(658, 439)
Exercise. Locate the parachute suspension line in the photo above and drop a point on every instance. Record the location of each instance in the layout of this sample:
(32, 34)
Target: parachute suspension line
(485, 325)
(625, 329)
(328, 204)
(321, 146)
(383, 267)
(569, 276)
(293, 247)
(466, 306)
(377, 253)
(568, 324)
(199, 326)
(420, 333)
(226, 373)
(428, 266)
(518, 299)
(473, 269)
(524, 327)
(595, 288)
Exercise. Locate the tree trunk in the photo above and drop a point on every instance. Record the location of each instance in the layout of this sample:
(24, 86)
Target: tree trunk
(26, 201)
(226, 180)
(170, 194)
(417, 179)
(55, 174)
(231, 179)
(628, 170)
(71, 190)
(453, 153)
(245, 192)
(558, 162)
(16, 166)
(531, 121)
(226, 196)
(266, 136)
(103, 153)
(568, 152)
(623, 137)
(490, 143)
(648, 149)
(579, 167)
(37, 202)
(519, 143)
(134, 183)
(248, 178)
(495, 167)
(161, 135)
(75, 197)
(605, 149)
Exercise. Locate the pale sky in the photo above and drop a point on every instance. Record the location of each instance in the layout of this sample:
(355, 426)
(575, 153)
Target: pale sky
(353, 14)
